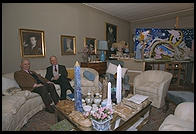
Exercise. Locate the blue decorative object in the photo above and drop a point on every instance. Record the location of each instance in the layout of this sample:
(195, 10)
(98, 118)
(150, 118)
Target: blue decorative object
(89, 76)
(77, 91)
(101, 125)
(103, 46)
(102, 56)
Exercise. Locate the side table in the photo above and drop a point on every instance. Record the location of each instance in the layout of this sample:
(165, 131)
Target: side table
(100, 67)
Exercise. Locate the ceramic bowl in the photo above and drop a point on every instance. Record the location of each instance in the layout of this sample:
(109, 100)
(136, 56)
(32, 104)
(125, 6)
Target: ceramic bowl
(87, 108)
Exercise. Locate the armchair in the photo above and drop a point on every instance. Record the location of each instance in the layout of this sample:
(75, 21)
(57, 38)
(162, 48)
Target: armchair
(153, 83)
(181, 120)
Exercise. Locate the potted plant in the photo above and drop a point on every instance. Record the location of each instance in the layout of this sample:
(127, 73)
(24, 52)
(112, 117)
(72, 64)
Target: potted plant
(100, 118)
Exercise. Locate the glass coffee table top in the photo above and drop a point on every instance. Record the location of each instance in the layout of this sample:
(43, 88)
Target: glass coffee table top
(121, 120)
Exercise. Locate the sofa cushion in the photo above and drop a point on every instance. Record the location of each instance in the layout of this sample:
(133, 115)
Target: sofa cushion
(12, 103)
(89, 76)
(70, 73)
(171, 123)
(11, 91)
(8, 83)
(42, 72)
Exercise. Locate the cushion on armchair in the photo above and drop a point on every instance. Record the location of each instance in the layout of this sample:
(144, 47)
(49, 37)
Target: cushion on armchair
(89, 76)
(111, 68)
(70, 74)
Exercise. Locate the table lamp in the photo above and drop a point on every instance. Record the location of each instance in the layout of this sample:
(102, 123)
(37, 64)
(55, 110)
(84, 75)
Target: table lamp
(103, 46)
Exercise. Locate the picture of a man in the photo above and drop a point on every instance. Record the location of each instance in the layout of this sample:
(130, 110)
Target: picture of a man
(32, 47)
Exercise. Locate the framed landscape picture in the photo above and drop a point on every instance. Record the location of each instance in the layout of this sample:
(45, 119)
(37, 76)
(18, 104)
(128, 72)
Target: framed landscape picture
(68, 45)
(111, 34)
(32, 43)
(91, 44)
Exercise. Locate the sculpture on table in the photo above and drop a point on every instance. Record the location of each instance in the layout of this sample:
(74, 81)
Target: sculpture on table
(77, 91)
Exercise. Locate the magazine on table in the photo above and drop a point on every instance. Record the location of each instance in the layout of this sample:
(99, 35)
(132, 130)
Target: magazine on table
(137, 98)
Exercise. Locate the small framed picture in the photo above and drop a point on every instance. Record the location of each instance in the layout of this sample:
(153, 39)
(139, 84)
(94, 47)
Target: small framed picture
(91, 44)
(32, 43)
(68, 45)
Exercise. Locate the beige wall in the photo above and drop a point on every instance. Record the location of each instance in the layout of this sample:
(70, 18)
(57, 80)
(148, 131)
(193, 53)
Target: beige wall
(54, 19)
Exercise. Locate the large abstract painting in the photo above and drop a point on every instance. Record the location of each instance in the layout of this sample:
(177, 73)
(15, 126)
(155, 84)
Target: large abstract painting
(164, 44)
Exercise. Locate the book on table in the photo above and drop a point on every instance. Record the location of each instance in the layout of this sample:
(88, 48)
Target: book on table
(137, 98)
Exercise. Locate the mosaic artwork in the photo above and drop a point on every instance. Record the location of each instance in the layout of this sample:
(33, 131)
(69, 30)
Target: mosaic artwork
(164, 44)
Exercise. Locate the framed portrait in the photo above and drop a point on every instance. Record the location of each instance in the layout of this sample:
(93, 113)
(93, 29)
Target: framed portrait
(32, 43)
(111, 34)
(91, 44)
(68, 45)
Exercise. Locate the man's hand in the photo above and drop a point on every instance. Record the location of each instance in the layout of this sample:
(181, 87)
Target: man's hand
(56, 77)
(49, 82)
(37, 85)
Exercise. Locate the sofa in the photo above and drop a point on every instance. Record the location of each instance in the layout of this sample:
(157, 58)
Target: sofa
(181, 120)
(153, 83)
(18, 106)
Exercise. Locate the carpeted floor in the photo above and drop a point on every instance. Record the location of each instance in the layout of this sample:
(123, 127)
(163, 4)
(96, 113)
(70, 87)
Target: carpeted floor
(43, 120)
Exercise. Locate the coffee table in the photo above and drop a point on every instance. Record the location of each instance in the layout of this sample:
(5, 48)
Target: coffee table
(135, 121)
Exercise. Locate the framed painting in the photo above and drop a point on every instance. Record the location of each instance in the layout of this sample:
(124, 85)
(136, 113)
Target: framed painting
(68, 45)
(111, 34)
(32, 43)
(91, 44)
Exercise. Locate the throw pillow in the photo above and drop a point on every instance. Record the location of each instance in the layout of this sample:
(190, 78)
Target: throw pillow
(70, 74)
(111, 68)
(89, 76)
(124, 70)
(11, 91)
(8, 83)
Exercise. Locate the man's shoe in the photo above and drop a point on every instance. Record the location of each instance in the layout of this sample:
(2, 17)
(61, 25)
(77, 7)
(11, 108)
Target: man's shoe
(50, 109)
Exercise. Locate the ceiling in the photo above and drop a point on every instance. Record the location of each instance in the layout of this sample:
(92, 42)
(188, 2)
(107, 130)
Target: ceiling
(134, 12)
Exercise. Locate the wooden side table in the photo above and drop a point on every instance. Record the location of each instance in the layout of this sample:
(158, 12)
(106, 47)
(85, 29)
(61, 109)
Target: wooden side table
(100, 67)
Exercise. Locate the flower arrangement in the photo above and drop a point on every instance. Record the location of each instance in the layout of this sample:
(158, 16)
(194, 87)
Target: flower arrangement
(102, 114)
(87, 51)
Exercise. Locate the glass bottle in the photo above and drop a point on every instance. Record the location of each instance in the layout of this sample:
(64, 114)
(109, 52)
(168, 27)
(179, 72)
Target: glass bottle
(97, 99)
(88, 99)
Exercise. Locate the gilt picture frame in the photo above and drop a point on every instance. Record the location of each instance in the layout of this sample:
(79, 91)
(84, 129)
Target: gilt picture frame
(91, 43)
(111, 32)
(68, 45)
(32, 43)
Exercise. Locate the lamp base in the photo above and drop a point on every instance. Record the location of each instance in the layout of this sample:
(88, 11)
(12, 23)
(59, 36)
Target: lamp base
(102, 56)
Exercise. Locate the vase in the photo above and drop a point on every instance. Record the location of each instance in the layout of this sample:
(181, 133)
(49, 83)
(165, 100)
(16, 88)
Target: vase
(101, 125)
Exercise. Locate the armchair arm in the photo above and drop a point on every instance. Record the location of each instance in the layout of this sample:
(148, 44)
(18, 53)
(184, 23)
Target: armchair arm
(185, 111)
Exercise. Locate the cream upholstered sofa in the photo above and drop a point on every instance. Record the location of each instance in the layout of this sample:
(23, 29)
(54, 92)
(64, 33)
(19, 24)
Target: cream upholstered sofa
(153, 83)
(19, 106)
(181, 120)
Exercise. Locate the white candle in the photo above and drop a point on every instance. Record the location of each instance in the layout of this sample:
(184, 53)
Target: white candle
(109, 101)
(118, 84)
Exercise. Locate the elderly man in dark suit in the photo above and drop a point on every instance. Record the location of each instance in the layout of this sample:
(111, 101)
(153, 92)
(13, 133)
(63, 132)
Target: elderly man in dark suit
(58, 74)
(30, 80)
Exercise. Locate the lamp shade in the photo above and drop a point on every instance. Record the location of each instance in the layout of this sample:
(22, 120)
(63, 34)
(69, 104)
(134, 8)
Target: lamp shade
(102, 45)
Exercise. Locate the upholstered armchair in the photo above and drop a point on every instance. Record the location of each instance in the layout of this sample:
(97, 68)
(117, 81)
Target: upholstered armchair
(181, 120)
(153, 83)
